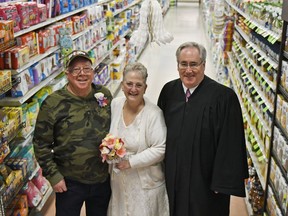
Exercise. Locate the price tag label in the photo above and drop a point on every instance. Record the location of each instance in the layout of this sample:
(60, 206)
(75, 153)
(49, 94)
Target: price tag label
(261, 102)
(260, 58)
(259, 152)
(269, 67)
(257, 97)
(265, 109)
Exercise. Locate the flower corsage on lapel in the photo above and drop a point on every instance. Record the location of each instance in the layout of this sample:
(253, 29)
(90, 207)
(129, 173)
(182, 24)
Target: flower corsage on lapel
(101, 99)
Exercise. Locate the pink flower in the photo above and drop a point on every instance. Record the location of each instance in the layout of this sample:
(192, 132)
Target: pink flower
(112, 148)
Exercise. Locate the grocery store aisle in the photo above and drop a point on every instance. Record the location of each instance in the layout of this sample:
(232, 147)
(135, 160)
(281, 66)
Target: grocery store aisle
(186, 24)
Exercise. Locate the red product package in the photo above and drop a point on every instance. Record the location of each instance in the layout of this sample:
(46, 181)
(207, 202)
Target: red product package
(40, 182)
(76, 24)
(33, 13)
(17, 57)
(30, 40)
(6, 58)
(9, 12)
(43, 40)
(42, 12)
(33, 194)
(23, 11)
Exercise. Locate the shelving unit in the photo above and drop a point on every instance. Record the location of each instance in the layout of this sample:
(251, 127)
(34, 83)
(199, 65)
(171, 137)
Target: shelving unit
(280, 196)
(254, 68)
(113, 85)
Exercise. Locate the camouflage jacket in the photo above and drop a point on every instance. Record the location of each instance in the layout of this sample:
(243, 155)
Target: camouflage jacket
(68, 132)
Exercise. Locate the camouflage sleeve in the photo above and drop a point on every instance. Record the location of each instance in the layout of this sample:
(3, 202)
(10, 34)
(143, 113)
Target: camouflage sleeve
(43, 141)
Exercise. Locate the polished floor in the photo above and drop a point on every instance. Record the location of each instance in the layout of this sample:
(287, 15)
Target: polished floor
(186, 24)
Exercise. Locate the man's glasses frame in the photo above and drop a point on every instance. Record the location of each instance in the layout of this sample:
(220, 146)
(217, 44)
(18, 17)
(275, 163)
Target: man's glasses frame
(192, 65)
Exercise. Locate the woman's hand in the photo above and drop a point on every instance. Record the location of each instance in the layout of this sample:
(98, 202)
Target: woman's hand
(122, 165)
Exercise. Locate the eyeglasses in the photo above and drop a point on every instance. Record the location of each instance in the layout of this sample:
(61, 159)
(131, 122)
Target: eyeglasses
(192, 65)
(76, 71)
(137, 85)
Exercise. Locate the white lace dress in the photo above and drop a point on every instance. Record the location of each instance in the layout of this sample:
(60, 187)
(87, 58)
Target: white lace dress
(128, 197)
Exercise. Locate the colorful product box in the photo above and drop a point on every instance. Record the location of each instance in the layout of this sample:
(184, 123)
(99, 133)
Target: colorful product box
(30, 40)
(73, 5)
(19, 56)
(42, 12)
(43, 40)
(64, 6)
(9, 12)
(6, 30)
(33, 13)
(23, 11)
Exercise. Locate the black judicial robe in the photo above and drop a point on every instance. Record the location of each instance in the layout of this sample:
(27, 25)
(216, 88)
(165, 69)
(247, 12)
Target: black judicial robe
(205, 148)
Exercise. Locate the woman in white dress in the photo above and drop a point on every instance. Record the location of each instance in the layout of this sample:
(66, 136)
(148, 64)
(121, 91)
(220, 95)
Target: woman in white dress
(138, 189)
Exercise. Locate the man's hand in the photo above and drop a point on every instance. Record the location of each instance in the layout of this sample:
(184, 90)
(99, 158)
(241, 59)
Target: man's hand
(60, 187)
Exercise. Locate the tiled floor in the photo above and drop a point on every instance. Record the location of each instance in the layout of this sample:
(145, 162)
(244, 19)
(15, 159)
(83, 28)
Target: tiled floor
(185, 23)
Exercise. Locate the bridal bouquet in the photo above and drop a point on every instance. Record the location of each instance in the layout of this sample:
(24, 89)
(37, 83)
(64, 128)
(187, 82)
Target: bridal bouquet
(112, 149)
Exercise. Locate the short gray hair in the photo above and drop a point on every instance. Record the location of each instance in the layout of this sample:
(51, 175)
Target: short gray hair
(201, 49)
(136, 67)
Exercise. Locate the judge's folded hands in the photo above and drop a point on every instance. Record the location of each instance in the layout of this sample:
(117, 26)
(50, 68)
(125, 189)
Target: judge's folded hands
(124, 164)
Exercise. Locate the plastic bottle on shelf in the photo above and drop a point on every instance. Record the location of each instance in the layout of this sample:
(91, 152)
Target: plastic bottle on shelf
(258, 201)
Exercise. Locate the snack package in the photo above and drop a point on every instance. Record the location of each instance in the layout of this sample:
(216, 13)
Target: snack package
(9, 12)
(17, 57)
(34, 196)
(40, 182)
(33, 13)
(23, 11)
(42, 12)
(6, 31)
(30, 40)
(43, 40)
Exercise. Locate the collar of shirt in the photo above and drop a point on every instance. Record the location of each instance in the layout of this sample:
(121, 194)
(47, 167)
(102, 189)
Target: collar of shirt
(190, 89)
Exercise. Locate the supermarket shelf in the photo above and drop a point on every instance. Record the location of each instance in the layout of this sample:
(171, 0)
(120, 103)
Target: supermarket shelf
(256, 48)
(125, 8)
(271, 84)
(35, 59)
(274, 191)
(254, 85)
(283, 92)
(75, 36)
(255, 133)
(262, 29)
(260, 166)
(9, 101)
(51, 21)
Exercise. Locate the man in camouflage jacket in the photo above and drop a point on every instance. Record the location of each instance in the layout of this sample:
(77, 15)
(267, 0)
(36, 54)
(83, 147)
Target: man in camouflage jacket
(70, 127)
